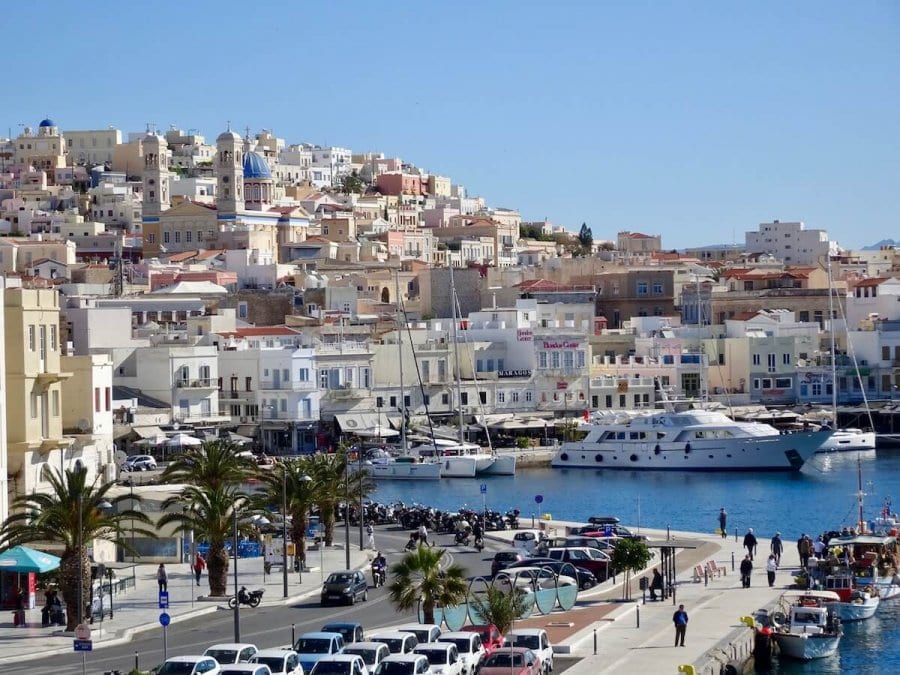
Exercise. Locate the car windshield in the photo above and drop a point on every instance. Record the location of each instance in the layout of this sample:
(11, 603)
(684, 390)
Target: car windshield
(436, 657)
(504, 660)
(222, 655)
(345, 631)
(462, 644)
(332, 668)
(313, 646)
(394, 644)
(529, 641)
(395, 668)
(275, 663)
(367, 655)
(338, 578)
(506, 557)
(176, 668)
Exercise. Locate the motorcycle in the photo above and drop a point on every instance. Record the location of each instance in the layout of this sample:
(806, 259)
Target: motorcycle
(462, 538)
(252, 598)
(378, 575)
(479, 543)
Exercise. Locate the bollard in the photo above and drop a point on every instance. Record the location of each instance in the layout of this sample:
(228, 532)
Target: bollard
(673, 594)
(705, 577)
(668, 532)
(137, 662)
(293, 635)
(638, 616)
(735, 535)
(643, 596)
(595, 642)
(732, 561)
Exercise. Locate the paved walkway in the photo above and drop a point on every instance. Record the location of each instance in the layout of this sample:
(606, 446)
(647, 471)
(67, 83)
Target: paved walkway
(714, 610)
(137, 609)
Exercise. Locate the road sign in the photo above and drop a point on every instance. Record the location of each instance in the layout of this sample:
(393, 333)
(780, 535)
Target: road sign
(164, 600)
(164, 619)
(484, 488)
(82, 632)
(538, 499)
(84, 646)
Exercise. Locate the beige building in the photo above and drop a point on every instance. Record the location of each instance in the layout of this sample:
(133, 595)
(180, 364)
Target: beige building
(4, 459)
(43, 150)
(637, 244)
(17, 255)
(92, 147)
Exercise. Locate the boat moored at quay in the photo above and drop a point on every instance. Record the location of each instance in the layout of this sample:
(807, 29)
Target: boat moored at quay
(693, 440)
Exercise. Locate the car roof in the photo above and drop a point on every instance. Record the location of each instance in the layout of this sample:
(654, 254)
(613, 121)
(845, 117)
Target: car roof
(332, 658)
(389, 634)
(188, 658)
(403, 658)
(526, 631)
(417, 626)
(232, 645)
(242, 668)
(443, 646)
(457, 634)
(321, 634)
(274, 651)
(368, 644)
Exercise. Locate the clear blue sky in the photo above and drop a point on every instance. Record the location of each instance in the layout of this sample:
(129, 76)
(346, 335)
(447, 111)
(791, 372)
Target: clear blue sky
(694, 120)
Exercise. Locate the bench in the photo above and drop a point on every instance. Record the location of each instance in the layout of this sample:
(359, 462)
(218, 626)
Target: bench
(714, 570)
(698, 574)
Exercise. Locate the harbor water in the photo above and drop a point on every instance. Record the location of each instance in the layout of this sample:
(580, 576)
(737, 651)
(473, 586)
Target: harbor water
(821, 497)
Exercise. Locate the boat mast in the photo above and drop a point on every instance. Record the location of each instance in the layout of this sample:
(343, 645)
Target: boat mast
(834, 425)
(456, 352)
(860, 494)
(400, 323)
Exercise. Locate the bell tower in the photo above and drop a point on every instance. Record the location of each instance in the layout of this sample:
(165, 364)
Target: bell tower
(156, 175)
(229, 173)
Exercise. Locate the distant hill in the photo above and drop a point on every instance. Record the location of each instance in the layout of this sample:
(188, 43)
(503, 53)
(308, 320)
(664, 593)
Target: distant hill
(883, 242)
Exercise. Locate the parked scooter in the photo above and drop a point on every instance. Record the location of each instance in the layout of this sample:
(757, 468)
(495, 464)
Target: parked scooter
(252, 598)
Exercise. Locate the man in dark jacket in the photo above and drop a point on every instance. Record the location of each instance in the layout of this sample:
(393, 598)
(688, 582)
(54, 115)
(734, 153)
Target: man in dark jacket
(680, 619)
(750, 542)
(723, 522)
(746, 570)
(777, 547)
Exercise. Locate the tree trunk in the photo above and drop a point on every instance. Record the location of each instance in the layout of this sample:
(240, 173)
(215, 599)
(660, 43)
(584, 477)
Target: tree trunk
(299, 524)
(428, 611)
(68, 585)
(326, 515)
(217, 566)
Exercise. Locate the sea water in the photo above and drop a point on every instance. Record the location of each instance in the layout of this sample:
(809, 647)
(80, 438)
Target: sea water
(821, 497)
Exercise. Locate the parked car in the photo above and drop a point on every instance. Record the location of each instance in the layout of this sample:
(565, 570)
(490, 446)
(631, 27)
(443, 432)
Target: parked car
(311, 647)
(350, 631)
(403, 664)
(232, 652)
(471, 651)
(504, 558)
(345, 587)
(490, 636)
(512, 661)
(189, 665)
(527, 540)
(279, 661)
(340, 664)
(599, 543)
(583, 576)
(398, 642)
(139, 463)
(613, 531)
(597, 562)
(531, 578)
(372, 653)
(535, 639)
(424, 632)
(443, 658)
(603, 520)
(246, 669)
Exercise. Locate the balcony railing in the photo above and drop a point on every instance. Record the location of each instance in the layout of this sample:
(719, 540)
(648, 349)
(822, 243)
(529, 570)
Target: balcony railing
(198, 383)
(287, 385)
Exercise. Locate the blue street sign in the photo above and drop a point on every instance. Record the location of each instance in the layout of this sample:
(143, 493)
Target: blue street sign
(484, 488)
(538, 499)
(164, 600)
(164, 619)
(84, 646)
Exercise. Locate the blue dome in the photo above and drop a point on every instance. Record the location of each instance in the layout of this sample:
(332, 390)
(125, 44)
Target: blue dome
(47, 123)
(255, 166)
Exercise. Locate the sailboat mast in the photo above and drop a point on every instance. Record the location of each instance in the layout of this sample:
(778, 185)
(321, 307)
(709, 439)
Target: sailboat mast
(456, 352)
(859, 495)
(400, 323)
(834, 424)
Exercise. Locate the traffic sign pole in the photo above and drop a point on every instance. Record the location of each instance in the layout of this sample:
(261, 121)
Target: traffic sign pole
(164, 620)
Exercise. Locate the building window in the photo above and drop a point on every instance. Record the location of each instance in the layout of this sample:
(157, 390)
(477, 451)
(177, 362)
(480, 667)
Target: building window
(54, 343)
(96, 399)
(151, 238)
(107, 392)
(756, 360)
(177, 237)
(34, 406)
(323, 378)
(54, 403)
(642, 288)
(657, 288)
(392, 401)
(188, 236)
(528, 396)
(542, 359)
(165, 237)
(770, 362)
(785, 359)
(501, 397)
(32, 340)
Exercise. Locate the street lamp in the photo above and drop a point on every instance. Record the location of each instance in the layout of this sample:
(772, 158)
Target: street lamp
(237, 603)
(347, 517)
(284, 557)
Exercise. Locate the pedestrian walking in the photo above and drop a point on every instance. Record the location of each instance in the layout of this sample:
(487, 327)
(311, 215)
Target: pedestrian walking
(423, 535)
(819, 546)
(680, 619)
(370, 531)
(162, 578)
(199, 566)
(777, 547)
(771, 568)
(723, 522)
(656, 584)
(750, 542)
(804, 549)
(746, 570)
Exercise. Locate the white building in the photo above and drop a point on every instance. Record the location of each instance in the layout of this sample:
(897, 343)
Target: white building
(790, 242)
(876, 298)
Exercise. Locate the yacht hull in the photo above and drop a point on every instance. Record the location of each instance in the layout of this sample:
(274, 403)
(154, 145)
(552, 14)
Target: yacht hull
(503, 465)
(405, 471)
(807, 647)
(854, 611)
(844, 440)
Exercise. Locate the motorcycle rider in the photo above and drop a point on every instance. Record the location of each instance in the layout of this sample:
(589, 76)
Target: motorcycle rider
(478, 533)
(462, 530)
(379, 565)
(243, 597)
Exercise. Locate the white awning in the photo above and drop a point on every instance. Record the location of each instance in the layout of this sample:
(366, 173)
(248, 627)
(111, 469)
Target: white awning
(364, 424)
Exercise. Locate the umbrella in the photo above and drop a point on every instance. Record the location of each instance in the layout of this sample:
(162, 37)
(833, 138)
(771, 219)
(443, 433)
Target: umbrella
(24, 559)
(179, 440)
(156, 439)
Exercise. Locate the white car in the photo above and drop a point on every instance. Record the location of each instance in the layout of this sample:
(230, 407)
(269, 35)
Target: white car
(424, 632)
(471, 651)
(340, 664)
(527, 541)
(397, 641)
(372, 653)
(535, 639)
(403, 664)
(279, 661)
(443, 658)
(246, 669)
(139, 463)
(232, 652)
(189, 665)
(529, 578)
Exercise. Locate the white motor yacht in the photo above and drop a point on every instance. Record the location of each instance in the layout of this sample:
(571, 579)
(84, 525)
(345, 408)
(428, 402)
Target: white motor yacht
(809, 630)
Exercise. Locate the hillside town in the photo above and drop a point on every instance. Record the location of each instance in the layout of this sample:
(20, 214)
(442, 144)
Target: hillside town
(159, 283)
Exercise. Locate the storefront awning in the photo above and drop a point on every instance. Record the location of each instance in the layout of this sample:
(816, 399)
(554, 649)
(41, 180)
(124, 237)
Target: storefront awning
(364, 424)
(148, 432)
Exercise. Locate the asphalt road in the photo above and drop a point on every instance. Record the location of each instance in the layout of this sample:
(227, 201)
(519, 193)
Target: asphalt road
(263, 626)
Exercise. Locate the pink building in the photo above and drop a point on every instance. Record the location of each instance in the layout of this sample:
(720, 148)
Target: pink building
(398, 183)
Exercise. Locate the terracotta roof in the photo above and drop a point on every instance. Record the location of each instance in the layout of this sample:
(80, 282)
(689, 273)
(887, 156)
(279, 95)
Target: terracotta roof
(545, 286)
(874, 281)
(745, 316)
(261, 331)
(211, 253)
(638, 235)
(181, 257)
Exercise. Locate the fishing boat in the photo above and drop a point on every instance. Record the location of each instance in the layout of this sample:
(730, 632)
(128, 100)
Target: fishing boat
(692, 440)
(805, 628)
(874, 562)
(854, 603)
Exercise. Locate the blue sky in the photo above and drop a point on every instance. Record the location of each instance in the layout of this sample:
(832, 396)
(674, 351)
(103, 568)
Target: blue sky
(694, 120)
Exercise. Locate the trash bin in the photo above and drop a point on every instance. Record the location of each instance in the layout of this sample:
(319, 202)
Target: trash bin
(644, 583)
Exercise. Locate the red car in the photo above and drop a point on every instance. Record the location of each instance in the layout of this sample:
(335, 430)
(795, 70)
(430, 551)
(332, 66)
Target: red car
(490, 637)
(511, 661)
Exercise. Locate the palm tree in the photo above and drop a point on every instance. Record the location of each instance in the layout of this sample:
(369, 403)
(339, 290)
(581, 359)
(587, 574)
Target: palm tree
(336, 481)
(500, 607)
(418, 577)
(53, 518)
(214, 464)
(210, 515)
(295, 479)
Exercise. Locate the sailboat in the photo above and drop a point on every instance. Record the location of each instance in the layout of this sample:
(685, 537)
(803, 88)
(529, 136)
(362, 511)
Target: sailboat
(848, 439)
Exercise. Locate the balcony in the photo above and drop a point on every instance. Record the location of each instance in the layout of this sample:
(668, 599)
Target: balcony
(198, 383)
(287, 385)
(347, 392)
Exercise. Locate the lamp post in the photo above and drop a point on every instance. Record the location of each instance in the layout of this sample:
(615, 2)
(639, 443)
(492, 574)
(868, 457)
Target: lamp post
(347, 517)
(237, 604)
(284, 541)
